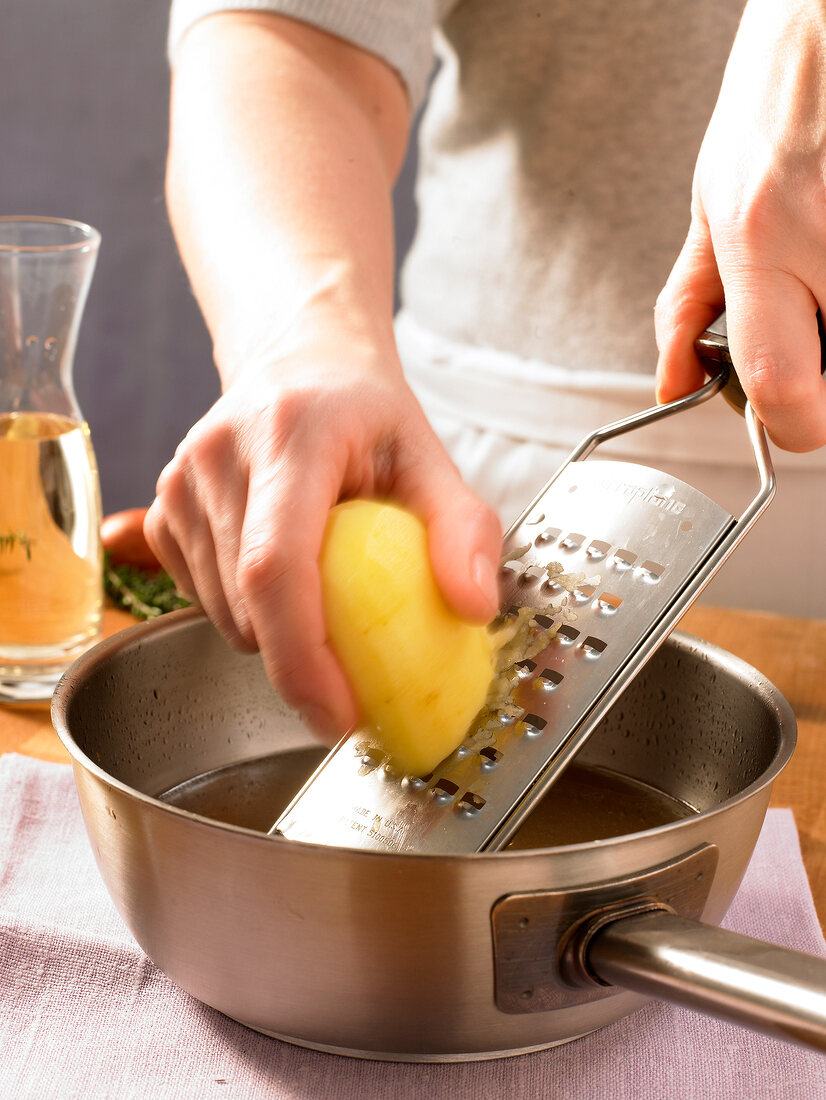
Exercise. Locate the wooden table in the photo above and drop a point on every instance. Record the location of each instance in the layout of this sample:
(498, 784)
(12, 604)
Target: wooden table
(790, 652)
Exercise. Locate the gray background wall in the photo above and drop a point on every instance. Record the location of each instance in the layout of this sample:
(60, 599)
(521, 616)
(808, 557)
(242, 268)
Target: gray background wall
(83, 130)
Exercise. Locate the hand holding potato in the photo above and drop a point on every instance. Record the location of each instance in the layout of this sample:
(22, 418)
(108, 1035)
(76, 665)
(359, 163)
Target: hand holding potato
(241, 511)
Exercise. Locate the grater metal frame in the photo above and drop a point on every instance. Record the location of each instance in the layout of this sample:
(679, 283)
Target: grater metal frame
(480, 795)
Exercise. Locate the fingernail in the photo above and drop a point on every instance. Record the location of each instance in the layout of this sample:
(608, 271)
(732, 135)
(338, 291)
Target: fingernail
(483, 572)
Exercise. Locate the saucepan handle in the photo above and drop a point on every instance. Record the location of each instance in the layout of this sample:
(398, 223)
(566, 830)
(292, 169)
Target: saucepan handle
(767, 988)
(713, 348)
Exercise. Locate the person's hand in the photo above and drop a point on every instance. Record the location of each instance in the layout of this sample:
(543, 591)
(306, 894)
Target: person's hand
(757, 241)
(241, 509)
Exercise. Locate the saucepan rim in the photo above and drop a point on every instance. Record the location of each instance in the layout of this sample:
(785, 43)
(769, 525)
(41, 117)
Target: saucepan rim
(175, 620)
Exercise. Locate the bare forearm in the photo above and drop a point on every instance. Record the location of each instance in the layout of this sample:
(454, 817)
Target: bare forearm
(284, 146)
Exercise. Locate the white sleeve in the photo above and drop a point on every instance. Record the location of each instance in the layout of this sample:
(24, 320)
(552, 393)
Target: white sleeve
(397, 31)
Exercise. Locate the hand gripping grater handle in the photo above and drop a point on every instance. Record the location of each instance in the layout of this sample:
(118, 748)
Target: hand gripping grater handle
(646, 544)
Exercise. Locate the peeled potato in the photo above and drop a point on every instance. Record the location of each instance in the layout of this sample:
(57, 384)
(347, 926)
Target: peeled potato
(420, 673)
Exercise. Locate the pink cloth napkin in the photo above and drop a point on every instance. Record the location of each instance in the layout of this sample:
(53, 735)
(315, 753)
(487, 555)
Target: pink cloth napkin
(86, 1014)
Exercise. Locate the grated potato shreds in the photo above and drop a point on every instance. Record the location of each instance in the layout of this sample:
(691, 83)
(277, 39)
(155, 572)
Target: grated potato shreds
(519, 637)
(515, 553)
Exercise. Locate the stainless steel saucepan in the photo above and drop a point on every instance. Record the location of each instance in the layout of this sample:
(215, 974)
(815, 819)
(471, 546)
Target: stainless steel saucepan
(428, 958)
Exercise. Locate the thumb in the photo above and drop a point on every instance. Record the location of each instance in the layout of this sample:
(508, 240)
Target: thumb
(464, 540)
(690, 300)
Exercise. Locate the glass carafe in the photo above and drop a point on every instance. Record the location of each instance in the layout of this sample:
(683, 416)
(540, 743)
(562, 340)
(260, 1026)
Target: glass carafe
(51, 576)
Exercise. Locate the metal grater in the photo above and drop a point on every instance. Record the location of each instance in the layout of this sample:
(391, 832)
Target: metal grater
(646, 544)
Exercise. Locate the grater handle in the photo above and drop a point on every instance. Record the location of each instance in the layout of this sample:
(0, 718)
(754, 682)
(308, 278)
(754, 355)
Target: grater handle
(713, 348)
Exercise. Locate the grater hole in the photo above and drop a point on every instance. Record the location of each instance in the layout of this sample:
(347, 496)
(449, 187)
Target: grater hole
(624, 559)
(470, 803)
(597, 549)
(445, 789)
(544, 621)
(583, 592)
(548, 680)
(532, 574)
(416, 782)
(508, 715)
(550, 534)
(370, 761)
(567, 635)
(573, 541)
(490, 757)
(505, 618)
(538, 517)
(651, 571)
(593, 647)
(525, 668)
(533, 725)
(608, 603)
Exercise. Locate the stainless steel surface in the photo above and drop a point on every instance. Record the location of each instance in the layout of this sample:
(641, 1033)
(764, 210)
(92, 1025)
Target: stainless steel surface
(747, 981)
(383, 955)
(645, 544)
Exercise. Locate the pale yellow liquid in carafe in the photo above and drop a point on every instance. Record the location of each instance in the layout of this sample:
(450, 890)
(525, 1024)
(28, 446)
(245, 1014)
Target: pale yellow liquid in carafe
(50, 559)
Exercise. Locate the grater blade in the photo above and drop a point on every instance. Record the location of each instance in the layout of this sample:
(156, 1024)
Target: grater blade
(645, 544)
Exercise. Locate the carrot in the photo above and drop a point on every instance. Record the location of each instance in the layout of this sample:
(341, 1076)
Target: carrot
(124, 541)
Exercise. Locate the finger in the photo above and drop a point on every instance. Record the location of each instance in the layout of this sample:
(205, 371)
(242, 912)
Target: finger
(222, 495)
(278, 576)
(166, 549)
(464, 534)
(177, 525)
(201, 559)
(691, 299)
(775, 348)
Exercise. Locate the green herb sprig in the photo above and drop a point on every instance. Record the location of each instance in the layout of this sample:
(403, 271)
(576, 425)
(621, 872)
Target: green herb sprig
(147, 595)
(11, 539)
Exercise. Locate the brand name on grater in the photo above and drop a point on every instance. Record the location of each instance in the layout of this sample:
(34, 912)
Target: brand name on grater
(648, 496)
